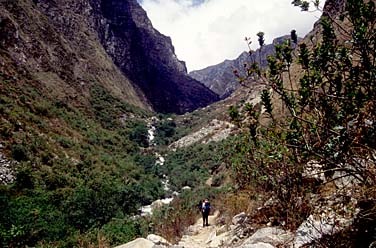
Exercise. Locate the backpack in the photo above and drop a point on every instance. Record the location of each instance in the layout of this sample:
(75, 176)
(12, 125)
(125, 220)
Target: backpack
(206, 206)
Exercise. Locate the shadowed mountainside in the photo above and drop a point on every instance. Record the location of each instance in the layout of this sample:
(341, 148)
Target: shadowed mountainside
(147, 57)
(68, 45)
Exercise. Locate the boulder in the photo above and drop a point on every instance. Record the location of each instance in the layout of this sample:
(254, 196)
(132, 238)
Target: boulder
(138, 243)
(239, 218)
(158, 240)
(219, 240)
(331, 214)
(270, 235)
(311, 230)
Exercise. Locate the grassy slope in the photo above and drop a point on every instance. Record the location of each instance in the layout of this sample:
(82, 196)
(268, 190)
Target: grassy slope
(68, 116)
(61, 51)
(77, 166)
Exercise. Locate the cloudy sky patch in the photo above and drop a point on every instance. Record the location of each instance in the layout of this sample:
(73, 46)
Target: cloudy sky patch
(206, 32)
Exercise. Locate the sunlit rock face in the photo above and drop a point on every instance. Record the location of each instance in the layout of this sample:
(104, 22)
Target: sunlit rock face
(221, 78)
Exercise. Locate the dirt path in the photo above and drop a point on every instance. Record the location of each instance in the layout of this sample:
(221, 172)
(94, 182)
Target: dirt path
(199, 236)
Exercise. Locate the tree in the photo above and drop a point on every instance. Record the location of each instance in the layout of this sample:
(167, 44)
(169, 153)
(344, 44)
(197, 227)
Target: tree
(261, 39)
(294, 36)
(331, 115)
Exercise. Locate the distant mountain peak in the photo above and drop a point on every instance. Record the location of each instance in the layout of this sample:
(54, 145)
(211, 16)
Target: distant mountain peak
(221, 79)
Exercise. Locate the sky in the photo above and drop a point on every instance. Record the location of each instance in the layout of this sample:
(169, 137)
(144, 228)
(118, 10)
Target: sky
(207, 32)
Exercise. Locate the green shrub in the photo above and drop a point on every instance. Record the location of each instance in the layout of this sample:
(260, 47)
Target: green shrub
(20, 152)
(191, 166)
(24, 177)
(165, 131)
(147, 162)
(120, 231)
(65, 142)
(43, 108)
(326, 115)
(139, 134)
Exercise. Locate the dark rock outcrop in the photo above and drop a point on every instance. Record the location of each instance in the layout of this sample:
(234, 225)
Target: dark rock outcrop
(221, 79)
(147, 57)
(110, 42)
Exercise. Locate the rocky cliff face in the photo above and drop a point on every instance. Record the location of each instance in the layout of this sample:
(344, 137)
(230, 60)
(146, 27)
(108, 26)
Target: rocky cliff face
(147, 57)
(70, 44)
(221, 79)
(53, 43)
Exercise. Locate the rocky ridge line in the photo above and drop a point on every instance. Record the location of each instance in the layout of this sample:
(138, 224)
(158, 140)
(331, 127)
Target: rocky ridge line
(221, 79)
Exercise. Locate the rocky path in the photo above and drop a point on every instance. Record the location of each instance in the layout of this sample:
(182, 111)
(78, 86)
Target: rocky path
(199, 236)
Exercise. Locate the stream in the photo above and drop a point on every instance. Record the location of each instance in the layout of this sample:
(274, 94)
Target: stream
(160, 160)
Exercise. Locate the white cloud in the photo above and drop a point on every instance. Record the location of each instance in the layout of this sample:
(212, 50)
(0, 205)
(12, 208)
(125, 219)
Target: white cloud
(208, 33)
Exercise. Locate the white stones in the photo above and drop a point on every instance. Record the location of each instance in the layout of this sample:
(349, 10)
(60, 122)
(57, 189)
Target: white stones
(167, 200)
(160, 159)
(312, 230)
(166, 183)
(344, 179)
(148, 210)
(152, 130)
(314, 170)
(151, 134)
(219, 239)
(7, 174)
(186, 188)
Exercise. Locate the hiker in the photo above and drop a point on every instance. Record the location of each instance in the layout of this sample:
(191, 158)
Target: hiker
(205, 209)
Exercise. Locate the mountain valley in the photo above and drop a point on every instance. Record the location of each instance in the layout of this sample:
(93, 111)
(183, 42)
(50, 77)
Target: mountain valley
(99, 120)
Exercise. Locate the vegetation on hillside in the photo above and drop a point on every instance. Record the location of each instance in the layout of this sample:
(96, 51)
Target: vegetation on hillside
(79, 173)
(329, 116)
(83, 172)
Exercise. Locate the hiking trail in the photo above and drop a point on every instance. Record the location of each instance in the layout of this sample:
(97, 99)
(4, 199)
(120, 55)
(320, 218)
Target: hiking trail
(200, 237)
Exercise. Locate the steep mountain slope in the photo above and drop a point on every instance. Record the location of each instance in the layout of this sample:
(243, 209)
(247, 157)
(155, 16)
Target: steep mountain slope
(71, 44)
(221, 79)
(147, 57)
(60, 51)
